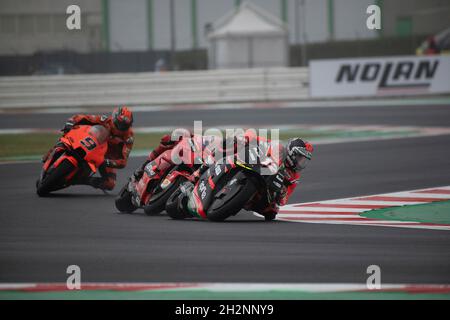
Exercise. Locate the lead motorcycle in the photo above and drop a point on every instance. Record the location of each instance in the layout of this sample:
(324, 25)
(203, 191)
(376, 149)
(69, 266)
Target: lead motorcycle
(77, 155)
(161, 177)
(226, 188)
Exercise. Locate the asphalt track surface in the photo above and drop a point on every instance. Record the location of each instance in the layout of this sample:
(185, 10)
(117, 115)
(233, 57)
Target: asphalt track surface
(432, 115)
(40, 237)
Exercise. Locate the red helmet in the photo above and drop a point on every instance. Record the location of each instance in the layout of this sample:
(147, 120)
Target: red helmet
(122, 118)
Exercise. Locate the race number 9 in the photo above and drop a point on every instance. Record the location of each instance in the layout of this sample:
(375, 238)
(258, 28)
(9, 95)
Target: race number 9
(89, 143)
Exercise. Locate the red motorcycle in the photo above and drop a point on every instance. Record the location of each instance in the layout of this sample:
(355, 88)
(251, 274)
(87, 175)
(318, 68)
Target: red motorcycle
(77, 154)
(161, 177)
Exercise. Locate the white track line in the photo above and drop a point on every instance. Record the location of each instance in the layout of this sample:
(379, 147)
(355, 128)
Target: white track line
(420, 195)
(319, 209)
(311, 215)
(369, 202)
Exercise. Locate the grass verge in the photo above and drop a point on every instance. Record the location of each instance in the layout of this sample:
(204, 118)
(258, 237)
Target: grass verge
(23, 145)
(32, 144)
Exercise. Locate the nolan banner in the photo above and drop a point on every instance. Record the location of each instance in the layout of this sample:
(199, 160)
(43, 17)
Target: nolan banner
(403, 75)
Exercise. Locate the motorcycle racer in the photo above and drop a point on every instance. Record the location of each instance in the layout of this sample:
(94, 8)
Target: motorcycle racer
(293, 158)
(120, 143)
(168, 142)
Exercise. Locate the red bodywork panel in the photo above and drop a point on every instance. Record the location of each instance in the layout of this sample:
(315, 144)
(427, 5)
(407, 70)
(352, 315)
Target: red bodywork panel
(184, 152)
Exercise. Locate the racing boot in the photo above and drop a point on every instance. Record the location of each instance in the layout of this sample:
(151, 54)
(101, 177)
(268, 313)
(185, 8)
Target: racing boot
(102, 183)
(186, 190)
(95, 182)
(106, 181)
(176, 207)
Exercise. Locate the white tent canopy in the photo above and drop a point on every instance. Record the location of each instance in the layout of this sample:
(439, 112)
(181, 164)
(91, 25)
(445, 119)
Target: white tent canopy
(248, 37)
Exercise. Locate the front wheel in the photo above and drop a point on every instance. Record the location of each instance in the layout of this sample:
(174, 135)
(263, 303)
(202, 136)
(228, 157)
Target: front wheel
(123, 201)
(231, 198)
(54, 180)
(158, 201)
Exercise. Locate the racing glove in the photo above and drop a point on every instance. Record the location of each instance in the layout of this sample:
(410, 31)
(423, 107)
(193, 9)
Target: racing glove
(67, 126)
(276, 187)
(110, 163)
(138, 173)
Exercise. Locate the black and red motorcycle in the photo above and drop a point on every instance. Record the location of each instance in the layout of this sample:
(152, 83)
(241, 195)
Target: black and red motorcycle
(225, 188)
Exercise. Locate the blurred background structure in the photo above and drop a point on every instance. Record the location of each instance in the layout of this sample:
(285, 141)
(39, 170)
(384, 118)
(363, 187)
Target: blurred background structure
(149, 35)
(248, 37)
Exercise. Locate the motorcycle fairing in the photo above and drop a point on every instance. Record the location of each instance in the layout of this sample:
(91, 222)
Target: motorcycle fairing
(202, 195)
(77, 145)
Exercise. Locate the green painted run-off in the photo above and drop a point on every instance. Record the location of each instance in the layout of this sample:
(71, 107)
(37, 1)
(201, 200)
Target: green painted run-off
(436, 212)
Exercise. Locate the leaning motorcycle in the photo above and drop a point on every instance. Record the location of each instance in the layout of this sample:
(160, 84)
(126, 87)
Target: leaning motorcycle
(225, 188)
(161, 177)
(77, 154)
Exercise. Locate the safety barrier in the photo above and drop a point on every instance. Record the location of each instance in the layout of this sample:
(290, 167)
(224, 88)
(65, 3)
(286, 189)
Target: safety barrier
(243, 85)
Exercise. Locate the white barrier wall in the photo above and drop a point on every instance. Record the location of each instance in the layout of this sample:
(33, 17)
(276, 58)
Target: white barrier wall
(382, 76)
(250, 85)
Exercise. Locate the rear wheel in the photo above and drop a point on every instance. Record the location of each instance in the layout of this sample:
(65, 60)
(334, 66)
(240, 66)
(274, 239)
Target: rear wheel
(231, 198)
(158, 201)
(54, 180)
(123, 201)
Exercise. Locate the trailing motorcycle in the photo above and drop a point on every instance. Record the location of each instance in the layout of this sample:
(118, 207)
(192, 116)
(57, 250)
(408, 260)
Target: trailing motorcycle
(161, 177)
(77, 154)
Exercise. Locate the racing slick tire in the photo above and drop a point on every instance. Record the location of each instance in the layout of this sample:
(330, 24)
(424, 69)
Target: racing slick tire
(226, 204)
(54, 179)
(158, 202)
(123, 201)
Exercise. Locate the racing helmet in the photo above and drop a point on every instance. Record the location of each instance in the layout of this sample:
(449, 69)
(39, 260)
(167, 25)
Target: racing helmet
(298, 153)
(122, 118)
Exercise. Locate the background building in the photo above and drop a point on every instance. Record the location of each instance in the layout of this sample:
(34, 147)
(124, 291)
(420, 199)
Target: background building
(248, 37)
(27, 27)
(163, 27)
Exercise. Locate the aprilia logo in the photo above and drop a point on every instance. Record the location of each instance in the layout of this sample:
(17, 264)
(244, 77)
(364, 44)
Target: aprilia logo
(389, 74)
(202, 188)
